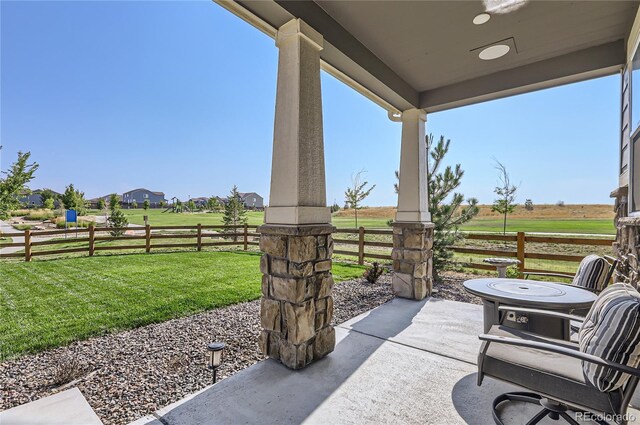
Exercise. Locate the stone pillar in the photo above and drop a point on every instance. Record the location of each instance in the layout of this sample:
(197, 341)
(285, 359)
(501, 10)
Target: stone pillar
(297, 307)
(412, 229)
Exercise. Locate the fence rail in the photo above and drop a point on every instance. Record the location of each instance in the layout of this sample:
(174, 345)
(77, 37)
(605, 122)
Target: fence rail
(354, 242)
(241, 235)
(521, 250)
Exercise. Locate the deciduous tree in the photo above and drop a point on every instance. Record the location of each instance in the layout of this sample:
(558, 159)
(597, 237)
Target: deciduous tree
(506, 192)
(73, 199)
(13, 182)
(213, 204)
(357, 193)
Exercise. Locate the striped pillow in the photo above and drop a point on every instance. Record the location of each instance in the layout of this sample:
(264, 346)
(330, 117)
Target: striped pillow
(592, 273)
(611, 331)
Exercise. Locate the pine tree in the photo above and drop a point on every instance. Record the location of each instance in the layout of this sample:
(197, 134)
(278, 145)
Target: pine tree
(445, 205)
(234, 212)
(146, 204)
(116, 217)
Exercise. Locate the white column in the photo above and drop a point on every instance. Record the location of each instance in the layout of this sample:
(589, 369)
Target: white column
(298, 193)
(412, 188)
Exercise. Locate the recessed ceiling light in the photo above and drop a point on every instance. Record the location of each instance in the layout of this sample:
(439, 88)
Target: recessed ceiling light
(481, 18)
(494, 52)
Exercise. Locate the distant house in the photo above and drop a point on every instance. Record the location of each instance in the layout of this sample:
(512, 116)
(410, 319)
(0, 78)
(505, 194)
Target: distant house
(105, 198)
(252, 200)
(140, 195)
(34, 200)
(200, 201)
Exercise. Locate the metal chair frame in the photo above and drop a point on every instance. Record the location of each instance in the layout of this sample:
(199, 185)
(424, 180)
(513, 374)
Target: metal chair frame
(551, 403)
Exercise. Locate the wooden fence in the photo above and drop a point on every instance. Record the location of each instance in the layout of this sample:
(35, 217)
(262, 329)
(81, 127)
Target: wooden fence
(361, 240)
(88, 237)
(520, 252)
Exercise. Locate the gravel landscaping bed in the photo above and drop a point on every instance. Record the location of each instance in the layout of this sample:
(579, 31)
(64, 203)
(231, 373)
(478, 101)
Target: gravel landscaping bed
(450, 288)
(130, 374)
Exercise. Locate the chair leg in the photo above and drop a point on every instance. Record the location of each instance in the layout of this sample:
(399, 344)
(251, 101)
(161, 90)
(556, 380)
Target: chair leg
(551, 408)
(540, 416)
(568, 418)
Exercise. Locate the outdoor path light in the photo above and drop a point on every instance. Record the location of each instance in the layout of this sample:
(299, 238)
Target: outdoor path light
(214, 357)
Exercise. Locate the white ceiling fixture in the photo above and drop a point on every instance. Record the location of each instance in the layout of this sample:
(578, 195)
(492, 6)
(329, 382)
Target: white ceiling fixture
(503, 6)
(481, 18)
(494, 52)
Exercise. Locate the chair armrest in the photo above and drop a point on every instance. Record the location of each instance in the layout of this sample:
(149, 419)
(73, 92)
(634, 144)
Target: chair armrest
(549, 313)
(565, 275)
(544, 346)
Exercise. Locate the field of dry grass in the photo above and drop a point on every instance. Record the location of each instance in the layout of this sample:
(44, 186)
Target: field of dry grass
(573, 211)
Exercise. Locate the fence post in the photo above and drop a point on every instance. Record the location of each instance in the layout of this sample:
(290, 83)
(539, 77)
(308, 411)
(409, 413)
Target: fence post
(361, 245)
(147, 235)
(246, 237)
(92, 241)
(27, 245)
(520, 253)
(199, 237)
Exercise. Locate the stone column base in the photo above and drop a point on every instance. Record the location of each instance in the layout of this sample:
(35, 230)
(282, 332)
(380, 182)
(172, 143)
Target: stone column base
(412, 260)
(297, 306)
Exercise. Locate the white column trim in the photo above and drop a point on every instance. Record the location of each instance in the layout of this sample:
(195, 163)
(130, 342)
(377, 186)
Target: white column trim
(412, 187)
(298, 188)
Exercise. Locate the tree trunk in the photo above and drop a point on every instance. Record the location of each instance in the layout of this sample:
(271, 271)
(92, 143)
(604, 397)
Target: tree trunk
(356, 211)
(504, 224)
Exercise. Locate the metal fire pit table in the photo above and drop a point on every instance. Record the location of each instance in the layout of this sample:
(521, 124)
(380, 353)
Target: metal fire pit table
(533, 294)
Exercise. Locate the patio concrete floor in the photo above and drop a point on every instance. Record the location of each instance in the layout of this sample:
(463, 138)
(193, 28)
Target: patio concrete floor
(404, 362)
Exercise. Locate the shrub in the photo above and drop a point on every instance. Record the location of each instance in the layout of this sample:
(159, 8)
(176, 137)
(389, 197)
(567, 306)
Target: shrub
(373, 273)
(67, 369)
(560, 203)
(60, 223)
(513, 272)
(22, 226)
(49, 203)
(40, 215)
(19, 213)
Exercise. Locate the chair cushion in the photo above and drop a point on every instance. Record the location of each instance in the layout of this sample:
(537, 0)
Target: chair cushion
(592, 273)
(553, 375)
(611, 330)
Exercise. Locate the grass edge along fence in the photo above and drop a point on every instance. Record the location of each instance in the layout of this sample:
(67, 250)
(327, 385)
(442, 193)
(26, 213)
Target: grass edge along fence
(520, 253)
(242, 236)
(89, 236)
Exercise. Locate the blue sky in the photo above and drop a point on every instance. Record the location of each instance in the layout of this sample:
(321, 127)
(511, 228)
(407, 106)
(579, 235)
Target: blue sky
(179, 97)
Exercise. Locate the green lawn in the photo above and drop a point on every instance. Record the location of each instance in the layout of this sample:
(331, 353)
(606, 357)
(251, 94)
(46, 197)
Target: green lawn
(584, 225)
(159, 218)
(5, 240)
(599, 226)
(45, 304)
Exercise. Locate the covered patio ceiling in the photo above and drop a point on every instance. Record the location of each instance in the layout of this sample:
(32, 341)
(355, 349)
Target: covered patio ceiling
(424, 54)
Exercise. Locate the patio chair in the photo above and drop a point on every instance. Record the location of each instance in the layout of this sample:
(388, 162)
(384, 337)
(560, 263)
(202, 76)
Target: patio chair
(594, 273)
(597, 374)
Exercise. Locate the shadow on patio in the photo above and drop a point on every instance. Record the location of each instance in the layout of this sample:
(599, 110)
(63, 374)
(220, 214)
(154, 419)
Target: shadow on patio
(403, 362)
